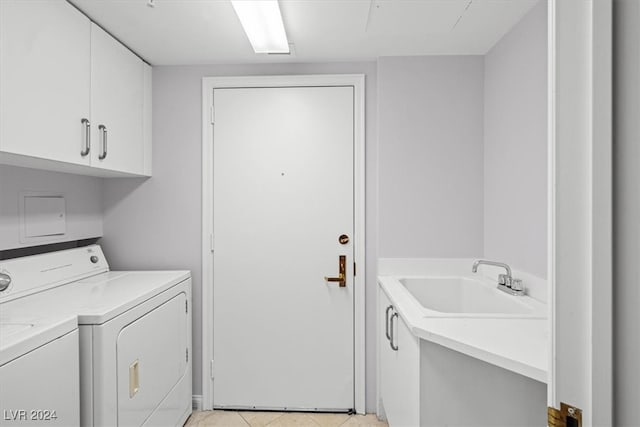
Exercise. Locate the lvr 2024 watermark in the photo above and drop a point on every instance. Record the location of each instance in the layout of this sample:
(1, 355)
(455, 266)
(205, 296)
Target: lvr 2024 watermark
(29, 415)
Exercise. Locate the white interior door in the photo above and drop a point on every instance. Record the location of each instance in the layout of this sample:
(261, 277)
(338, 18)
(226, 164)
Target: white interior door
(283, 194)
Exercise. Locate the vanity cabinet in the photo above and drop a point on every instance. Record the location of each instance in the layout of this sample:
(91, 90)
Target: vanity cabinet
(72, 98)
(422, 382)
(399, 358)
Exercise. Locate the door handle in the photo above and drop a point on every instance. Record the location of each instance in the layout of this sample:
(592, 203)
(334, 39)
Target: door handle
(134, 379)
(342, 272)
(386, 322)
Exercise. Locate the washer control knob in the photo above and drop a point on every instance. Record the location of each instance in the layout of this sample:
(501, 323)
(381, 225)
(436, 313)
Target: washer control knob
(5, 281)
(94, 259)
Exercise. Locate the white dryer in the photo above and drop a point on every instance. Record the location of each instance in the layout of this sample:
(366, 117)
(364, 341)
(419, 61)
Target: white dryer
(134, 330)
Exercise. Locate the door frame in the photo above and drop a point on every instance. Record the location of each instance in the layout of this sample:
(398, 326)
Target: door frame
(580, 207)
(357, 81)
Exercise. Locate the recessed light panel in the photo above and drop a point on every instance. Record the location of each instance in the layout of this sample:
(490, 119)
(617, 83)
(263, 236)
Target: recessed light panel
(262, 22)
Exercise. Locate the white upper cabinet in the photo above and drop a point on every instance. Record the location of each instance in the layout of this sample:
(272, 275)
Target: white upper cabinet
(72, 98)
(117, 95)
(146, 119)
(44, 80)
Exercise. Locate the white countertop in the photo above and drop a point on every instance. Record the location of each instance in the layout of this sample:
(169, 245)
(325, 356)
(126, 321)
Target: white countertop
(519, 345)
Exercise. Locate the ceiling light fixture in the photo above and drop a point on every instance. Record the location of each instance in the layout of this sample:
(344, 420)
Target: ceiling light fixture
(262, 22)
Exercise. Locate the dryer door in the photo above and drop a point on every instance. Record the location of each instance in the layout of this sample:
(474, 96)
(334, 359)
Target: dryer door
(152, 358)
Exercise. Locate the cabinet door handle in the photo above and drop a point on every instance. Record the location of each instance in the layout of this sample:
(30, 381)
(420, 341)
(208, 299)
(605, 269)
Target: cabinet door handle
(87, 137)
(392, 339)
(103, 131)
(386, 322)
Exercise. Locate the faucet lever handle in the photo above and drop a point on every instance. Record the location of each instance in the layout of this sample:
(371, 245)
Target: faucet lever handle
(502, 280)
(516, 285)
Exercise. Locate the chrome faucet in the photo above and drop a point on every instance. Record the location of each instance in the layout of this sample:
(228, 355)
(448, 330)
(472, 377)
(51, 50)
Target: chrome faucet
(506, 282)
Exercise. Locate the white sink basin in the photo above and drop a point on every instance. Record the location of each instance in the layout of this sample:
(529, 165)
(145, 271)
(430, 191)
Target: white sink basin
(467, 297)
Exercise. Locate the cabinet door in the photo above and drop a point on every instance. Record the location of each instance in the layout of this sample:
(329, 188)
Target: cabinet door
(117, 82)
(44, 79)
(146, 119)
(400, 369)
(384, 351)
(405, 381)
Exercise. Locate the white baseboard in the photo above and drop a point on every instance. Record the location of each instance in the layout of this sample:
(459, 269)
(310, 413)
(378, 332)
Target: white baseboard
(197, 402)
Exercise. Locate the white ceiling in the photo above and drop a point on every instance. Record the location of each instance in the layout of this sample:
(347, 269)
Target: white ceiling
(208, 31)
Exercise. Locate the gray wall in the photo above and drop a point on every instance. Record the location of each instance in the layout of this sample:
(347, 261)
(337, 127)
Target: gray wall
(430, 127)
(515, 146)
(626, 210)
(83, 196)
(155, 224)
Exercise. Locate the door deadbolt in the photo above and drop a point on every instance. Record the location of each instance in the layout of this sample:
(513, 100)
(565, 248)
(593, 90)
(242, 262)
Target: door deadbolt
(343, 239)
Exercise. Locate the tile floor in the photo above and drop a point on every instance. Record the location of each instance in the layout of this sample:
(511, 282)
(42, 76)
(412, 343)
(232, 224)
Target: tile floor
(280, 419)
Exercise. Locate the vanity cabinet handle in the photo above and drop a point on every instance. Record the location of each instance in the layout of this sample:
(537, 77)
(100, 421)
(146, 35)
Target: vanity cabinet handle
(103, 130)
(87, 137)
(391, 339)
(386, 322)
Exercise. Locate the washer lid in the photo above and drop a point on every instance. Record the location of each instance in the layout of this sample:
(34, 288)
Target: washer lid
(8, 329)
(21, 334)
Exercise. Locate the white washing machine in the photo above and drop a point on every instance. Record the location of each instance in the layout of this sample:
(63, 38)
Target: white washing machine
(39, 381)
(134, 333)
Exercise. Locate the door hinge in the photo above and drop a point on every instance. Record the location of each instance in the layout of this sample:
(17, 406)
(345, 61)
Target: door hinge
(212, 370)
(566, 416)
(186, 306)
(213, 115)
(187, 354)
(211, 245)
(354, 269)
